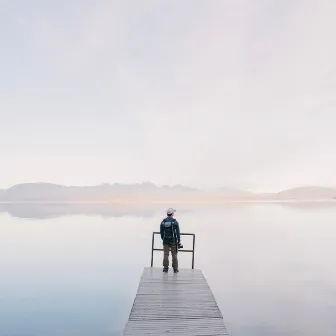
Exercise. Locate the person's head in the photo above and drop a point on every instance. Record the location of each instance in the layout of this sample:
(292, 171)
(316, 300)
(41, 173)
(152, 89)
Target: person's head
(170, 212)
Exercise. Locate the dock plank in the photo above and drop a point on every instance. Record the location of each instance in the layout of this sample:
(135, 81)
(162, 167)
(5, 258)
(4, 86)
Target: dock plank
(174, 304)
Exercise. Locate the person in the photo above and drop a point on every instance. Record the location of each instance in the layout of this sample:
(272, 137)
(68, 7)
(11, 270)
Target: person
(170, 235)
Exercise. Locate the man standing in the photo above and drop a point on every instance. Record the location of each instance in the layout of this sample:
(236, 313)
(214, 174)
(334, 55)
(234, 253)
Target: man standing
(170, 235)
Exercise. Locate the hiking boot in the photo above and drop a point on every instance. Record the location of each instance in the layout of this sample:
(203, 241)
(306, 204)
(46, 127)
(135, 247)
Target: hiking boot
(165, 269)
(176, 270)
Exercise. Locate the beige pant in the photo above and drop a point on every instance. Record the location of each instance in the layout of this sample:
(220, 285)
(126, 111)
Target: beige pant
(173, 249)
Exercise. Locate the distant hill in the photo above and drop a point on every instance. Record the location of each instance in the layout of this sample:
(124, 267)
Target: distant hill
(307, 193)
(105, 192)
(47, 192)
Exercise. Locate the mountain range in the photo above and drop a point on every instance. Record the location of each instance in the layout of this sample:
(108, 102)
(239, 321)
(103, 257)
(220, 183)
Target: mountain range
(47, 192)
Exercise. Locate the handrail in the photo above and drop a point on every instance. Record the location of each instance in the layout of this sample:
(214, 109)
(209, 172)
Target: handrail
(181, 250)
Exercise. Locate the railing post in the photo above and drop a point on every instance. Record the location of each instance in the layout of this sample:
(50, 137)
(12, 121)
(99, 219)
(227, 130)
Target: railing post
(152, 249)
(193, 254)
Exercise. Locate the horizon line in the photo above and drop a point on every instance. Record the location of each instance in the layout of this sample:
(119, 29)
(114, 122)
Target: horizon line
(251, 190)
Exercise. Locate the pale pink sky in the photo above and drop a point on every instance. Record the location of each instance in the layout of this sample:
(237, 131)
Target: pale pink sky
(204, 93)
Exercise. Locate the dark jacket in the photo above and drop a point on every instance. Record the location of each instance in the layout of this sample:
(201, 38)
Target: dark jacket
(170, 231)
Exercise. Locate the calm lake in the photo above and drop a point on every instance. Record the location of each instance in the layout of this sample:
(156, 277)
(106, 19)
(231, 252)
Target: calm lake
(73, 270)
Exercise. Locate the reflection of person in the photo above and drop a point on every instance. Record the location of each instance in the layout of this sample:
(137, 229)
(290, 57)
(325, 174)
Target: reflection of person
(170, 235)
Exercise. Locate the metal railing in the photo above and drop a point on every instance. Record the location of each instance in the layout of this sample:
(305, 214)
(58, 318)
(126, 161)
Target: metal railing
(179, 250)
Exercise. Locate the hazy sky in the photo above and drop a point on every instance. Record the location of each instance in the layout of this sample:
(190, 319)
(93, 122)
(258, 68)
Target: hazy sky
(204, 93)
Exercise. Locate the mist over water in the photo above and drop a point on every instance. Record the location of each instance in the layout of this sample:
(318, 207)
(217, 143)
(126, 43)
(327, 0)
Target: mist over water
(70, 270)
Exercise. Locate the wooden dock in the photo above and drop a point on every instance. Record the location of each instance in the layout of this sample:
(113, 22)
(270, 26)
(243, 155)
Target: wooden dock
(175, 305)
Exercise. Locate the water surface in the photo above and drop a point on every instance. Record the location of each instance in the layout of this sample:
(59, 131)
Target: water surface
(74, 270)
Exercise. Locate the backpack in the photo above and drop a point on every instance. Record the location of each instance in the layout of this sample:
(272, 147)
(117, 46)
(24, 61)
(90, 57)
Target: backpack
(169, 231)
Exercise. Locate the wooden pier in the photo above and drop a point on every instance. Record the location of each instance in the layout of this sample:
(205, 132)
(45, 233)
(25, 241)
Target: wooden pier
(175, 305)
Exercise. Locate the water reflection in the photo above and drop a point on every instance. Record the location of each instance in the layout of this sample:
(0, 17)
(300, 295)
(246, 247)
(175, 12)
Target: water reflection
(54, 210)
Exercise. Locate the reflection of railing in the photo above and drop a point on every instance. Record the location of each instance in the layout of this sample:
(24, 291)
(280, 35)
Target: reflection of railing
(180, 250)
